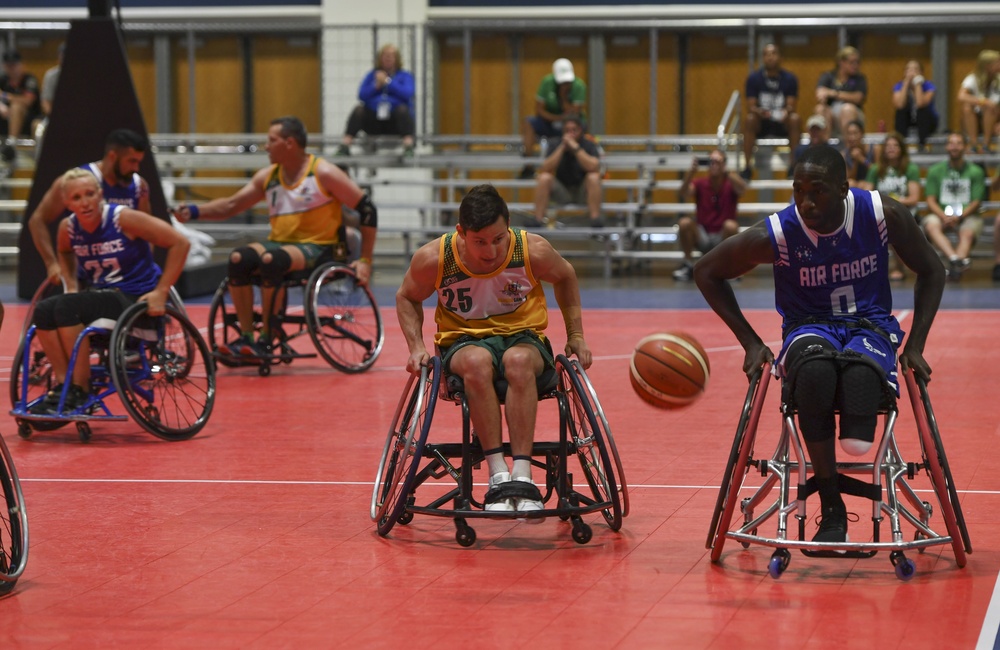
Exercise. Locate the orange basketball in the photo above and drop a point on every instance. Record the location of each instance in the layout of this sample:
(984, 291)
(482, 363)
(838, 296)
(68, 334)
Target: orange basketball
(669, 369)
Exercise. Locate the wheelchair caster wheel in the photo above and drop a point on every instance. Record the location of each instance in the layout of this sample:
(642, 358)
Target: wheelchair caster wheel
(582, 532)
(83, 429)
(778, 563)
(405, 518)
(264, 370)
(905, 567)
(465, 535)
(23, 429)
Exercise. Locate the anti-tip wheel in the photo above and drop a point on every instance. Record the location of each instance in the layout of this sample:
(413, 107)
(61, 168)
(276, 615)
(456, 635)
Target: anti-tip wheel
(83, 429)
(904, 566)
(582, 532)
(778, 563)
(465, 535)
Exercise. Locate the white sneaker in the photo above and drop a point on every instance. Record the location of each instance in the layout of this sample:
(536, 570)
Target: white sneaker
(498, 505)
(529, 505)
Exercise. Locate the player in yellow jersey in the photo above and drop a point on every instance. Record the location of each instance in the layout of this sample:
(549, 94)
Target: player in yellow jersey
(491, 317)
(305, 197)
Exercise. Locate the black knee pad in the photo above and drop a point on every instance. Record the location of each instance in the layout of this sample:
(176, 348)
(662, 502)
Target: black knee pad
(240, 272)
(858, 396)
(813, 380)
(45, 315)
(274, 267)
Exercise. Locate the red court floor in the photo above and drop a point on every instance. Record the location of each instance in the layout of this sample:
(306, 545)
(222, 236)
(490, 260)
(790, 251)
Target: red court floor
(256, 533)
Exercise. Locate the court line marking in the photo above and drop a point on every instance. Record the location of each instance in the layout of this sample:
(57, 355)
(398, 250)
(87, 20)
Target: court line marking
(989, 635)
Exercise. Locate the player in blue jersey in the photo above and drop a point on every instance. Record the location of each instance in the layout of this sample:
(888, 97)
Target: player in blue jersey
(829, 252)
(118, 172)
(110, 246)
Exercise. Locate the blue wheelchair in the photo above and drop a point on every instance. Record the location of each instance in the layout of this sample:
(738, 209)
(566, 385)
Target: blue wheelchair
(159, 367)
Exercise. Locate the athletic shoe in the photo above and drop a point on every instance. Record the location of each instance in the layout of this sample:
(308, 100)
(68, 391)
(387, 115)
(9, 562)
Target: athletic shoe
(233, 348)
(76, 397)
(684, 272)
(493, 502)
(832, 525)
(258, 350)
(342, 150)
(996, 272)
(527, 173)
(747, 174)
(523, 504)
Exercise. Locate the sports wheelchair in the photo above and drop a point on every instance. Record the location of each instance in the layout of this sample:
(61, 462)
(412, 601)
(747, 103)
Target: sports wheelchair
(338, 314)
(889, 489)
(583, 431)
(13, 524)
(158, 366)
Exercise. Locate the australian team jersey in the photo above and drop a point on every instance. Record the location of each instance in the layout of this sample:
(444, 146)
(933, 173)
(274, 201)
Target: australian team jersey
(837, 277)
(128, 195)
(501, 303)
(111, 260)
(302, 213)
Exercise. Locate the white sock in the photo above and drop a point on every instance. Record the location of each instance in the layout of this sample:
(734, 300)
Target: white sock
(496, 463)
(522, 468)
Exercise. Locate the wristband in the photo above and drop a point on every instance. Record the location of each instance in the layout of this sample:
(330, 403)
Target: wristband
(365, 260)
(195, 212)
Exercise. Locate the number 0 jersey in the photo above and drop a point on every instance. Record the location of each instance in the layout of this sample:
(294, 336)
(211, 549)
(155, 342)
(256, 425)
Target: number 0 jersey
(838, 277)
(109, 259)
(501, 303)
(302, 213)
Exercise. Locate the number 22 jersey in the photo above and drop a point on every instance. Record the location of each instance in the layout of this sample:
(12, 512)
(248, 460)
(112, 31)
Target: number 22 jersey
(109, 259)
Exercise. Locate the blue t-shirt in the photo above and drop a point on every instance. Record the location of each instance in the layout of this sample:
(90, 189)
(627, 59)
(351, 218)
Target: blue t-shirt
(109, 259)
(772, 93)
(840, 277)
(928, 87)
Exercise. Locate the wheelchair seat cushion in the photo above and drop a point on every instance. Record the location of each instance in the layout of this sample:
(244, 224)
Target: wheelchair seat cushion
(512, 490)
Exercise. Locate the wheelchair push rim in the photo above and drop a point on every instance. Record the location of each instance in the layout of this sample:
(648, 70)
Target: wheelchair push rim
(13, 524)
(343, 319)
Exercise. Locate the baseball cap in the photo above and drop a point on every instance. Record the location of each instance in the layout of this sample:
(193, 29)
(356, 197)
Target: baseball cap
(562, 70)
(11, 56)
(816, 120)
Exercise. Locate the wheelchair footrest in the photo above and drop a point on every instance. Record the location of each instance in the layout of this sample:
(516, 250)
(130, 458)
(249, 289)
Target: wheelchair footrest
(69, 417)
(858, 555)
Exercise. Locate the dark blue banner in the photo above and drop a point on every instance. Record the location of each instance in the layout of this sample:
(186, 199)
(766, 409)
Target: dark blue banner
(154, 4)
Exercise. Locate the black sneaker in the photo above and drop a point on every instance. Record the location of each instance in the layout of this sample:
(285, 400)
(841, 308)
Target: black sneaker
(996, 272)
(747, 174)
(955, 270)
(342, 150)
(49, 404)
(527, 173)
(533, 223)
(684, 272)
(7, 153)
(259, 350)
(832, 525)
(597, 222)
(76, 397)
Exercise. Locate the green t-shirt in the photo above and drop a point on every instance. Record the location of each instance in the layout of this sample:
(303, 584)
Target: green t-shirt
(548, 94)
(955, 188)
(893, 183)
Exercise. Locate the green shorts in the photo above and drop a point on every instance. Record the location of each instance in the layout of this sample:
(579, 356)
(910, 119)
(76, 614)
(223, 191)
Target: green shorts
(497, 345)
(314, 253)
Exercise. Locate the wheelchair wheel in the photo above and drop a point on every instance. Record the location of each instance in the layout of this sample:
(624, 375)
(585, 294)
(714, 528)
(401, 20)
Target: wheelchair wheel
(588, 393)
(13, 524)
(404, 447)
(163, 372)
(586, 433)
(38, 378)
(739, 456)
(343, 319)
(222, 324)
(938, 468)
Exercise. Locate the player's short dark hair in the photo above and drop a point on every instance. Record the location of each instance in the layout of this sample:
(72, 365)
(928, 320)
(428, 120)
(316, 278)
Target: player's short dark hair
(481, 207)
(125, 139)
(823, 155)
(292, 127)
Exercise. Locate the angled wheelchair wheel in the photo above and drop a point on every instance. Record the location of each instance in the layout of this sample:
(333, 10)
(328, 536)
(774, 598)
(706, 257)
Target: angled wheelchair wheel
(587, 434)
(13, 524)
(404, 446)
(938, 469)
(163, 372)
(36, 374)
(223, 325)
(343, 319)
(739, 456)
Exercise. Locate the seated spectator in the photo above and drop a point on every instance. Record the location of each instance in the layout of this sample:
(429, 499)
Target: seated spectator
(715, 197)
(955, 189)
(894, 175)
(49, 82)
(19, 104)
(571, 173)
(386, 106)
(857, 154)
(816, 128)
(913, 99)
(979, 98)
(560, 95)
(772, 95)
(841, 92)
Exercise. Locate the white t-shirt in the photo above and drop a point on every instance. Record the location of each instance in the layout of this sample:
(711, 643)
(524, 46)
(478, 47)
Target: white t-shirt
(972, 85)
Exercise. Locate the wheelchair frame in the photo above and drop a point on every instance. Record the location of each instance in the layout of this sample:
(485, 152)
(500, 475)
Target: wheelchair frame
(140, 364)
(13, 524)
(583, 429)
(327, 316)
(787, 468)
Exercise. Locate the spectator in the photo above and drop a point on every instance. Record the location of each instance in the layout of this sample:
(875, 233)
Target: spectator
(841, 92)
(913, 98)
(571, 173)
(816, 127)
(955, 189)
(715, 197)
(898, 178)
(49, 82)
(857, 154)
(772, 95)
(979, 97)
(386, 106)
(560, 95)
(19, 104)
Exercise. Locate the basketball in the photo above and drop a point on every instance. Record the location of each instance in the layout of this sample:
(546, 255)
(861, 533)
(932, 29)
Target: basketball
(669, 369)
